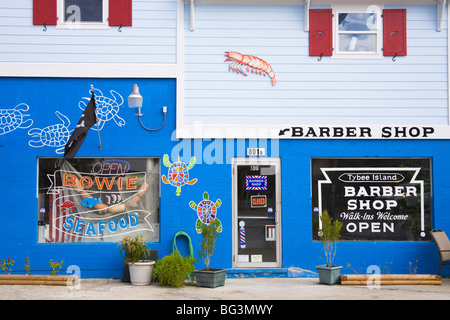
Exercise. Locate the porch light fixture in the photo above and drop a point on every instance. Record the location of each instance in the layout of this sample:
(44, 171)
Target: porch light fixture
(135, 101)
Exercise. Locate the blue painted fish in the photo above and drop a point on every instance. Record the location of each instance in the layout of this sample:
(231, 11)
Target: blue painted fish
(90, 202)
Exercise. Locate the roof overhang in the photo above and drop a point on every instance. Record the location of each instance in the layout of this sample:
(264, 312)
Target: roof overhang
(313, 2)
(440, 4)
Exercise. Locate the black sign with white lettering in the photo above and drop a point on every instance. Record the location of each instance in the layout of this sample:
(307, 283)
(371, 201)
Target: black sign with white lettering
(375, 198)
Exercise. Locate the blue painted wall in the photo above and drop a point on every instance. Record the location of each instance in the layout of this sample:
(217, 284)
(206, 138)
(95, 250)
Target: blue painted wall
(18, 161)
(44, 96)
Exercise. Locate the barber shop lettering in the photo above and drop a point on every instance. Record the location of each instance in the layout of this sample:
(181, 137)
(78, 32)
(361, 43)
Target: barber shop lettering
(369, 204)
(357, 132)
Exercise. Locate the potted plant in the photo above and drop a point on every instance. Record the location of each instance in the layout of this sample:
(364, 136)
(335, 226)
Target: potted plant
(209, 277)
(173, 269)
(329, 235)
(140, 270)
(152, 255)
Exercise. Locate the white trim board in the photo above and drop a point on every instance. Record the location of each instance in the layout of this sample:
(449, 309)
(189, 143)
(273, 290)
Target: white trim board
(385, 132)
(88, 70)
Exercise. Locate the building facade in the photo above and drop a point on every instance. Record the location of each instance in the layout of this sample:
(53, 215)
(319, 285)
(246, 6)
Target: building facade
(262, 114)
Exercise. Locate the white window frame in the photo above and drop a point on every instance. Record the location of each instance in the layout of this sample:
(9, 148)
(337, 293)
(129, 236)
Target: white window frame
(80, 24)
(378, 9)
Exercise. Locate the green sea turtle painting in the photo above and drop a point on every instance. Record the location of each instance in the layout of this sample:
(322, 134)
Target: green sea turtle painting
(206, 211)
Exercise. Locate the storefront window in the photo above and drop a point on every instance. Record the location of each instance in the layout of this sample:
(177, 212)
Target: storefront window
(98, 199)
(374, 198)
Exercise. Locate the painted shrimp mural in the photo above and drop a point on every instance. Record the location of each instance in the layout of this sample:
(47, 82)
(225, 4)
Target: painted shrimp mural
(252, 63)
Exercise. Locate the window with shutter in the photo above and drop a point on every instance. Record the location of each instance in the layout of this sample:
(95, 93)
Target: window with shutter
(82, 14)
(358, 31)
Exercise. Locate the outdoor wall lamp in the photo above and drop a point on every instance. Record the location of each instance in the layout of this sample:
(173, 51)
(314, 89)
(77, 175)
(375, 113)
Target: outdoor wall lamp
(135, 101)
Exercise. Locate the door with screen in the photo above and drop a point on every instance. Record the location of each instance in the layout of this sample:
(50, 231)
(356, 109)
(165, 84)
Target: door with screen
(256, 213)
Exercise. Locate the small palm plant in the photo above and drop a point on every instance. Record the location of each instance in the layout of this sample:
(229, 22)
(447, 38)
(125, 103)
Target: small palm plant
(329, 235)
(208, 244)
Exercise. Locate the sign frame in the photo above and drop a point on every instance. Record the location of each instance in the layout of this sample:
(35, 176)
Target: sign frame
(258, 205)
(376, 198)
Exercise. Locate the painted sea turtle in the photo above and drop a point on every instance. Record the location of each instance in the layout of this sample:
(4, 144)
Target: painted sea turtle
(11, 119)
(52, 136)
(178, 173)
(107, 108)
(206, 211)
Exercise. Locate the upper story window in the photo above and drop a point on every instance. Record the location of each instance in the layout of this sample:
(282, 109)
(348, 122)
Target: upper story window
(81, 14)
(358, 32)
(354, 31)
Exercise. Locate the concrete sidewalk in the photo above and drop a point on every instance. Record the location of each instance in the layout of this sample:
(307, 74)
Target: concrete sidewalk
(234, 289)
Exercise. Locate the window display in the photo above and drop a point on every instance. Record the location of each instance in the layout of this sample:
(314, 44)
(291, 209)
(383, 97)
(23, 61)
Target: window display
(98, 199)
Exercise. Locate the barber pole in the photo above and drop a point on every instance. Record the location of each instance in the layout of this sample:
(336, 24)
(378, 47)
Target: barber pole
(242, 234)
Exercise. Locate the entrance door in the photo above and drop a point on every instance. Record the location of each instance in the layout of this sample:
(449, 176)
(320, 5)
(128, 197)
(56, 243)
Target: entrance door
(256, 213)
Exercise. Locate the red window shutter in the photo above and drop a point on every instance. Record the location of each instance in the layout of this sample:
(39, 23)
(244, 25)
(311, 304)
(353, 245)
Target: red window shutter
(394, 32)
(120, 12)
(44, 12)
(320, 32)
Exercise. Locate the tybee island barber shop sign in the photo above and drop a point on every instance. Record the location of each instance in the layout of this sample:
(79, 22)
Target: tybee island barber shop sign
(374, 198)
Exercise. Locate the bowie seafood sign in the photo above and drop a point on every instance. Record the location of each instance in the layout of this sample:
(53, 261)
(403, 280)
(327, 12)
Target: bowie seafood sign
(106, 202)
(374, 202)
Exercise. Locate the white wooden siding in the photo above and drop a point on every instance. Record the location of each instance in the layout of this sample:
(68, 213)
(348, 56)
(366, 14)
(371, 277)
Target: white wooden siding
(410, 91)
(151, 40)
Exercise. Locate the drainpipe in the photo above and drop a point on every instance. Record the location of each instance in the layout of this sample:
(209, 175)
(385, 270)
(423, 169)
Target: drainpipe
(192, 27)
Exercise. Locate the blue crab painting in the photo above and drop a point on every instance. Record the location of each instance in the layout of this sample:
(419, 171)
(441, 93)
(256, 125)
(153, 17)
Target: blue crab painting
(11, 119)
(107, 108)
(52, 136)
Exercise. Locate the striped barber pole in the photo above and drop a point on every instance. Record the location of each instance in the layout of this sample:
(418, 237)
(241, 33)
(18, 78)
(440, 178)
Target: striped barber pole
(242, 234)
